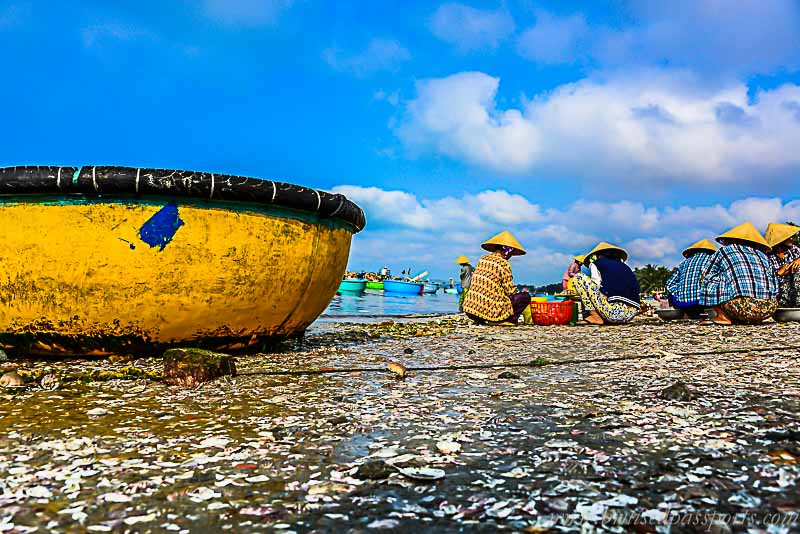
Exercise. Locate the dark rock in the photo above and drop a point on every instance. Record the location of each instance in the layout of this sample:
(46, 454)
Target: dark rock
(665, 486)
(408, 351)
(591, 412)
(507, 374)
(782, 434)
(338, 420)
(191, 367)
(374, 470)
(722, 484)
(697, 492)
(719, 527)
(202, 476)
(676, 392)
(664, 465)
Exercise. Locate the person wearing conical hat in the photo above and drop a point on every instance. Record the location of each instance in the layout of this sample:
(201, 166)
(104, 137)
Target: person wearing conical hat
(785, 260)
(684, 287)
(466, 279)
(740, 282)
(492, 296)
(611, 293)
(573, 269)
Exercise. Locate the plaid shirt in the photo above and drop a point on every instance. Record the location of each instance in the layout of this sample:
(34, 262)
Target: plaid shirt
(492, 284)
(684, 285)
(738, 271)
(780, 259)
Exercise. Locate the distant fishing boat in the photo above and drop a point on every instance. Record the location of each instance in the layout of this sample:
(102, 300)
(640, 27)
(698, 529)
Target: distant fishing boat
(451, 290)
(377, 286)
(352, 285)
(430, 289)
(403, 288)
(105, 260)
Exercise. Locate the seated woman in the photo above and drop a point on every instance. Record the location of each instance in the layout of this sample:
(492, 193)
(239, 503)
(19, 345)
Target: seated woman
(684, 286)
(785, 259)
(466, 278)
(492, 296)
(573, 269)
(611, 294)
(739, 281)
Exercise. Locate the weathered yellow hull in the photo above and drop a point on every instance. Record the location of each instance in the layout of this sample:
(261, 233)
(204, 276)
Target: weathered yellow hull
(76, 277)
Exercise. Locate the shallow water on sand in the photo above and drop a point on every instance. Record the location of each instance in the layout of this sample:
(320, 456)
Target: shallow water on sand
(375, 305)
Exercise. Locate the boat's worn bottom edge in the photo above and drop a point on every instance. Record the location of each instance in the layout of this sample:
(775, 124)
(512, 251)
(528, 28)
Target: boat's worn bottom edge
(55, 345)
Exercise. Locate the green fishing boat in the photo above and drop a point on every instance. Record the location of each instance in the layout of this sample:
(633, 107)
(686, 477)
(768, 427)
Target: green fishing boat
(377, 286)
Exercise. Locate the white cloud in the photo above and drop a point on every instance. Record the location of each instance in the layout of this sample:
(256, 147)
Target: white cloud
(658, 126)
(397, 207)
(759, 211)
(707, 36)
(428, 234)
(554, 39)
(652, 248)
(457, 116)
(503, 207)
(715, 36)
(561, 235)
(469, 28)
(615, 215)
(381, 54)
(245, 12)
(485, 210)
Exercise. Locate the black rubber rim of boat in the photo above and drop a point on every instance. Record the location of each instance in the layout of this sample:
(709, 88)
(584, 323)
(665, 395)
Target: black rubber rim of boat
(94, 180)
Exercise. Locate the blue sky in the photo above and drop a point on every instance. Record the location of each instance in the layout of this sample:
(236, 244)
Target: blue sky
(650, 124)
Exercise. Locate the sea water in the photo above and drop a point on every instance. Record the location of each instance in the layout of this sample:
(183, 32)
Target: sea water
(377, 305)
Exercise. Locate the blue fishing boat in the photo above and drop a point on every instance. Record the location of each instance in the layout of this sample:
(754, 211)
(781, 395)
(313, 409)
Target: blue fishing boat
(430, 289)
(401, 287)
(451, 290)
(352, 286)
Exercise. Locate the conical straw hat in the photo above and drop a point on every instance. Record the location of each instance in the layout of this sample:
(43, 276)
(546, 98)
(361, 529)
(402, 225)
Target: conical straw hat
(703, 244)
(745, 232)
(462, 259)
(603, 246)
(579, 259)
(778, 233)
(503, 239)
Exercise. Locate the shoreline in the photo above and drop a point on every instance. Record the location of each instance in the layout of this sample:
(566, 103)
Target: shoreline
(602, 443)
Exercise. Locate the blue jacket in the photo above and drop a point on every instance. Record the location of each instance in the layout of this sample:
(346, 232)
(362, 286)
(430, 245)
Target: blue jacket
(619, 282)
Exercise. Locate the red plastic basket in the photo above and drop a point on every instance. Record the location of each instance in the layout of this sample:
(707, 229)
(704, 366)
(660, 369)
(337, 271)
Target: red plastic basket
(547, 313)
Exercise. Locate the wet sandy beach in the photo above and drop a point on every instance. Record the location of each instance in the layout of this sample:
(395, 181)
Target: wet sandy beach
(669, 440)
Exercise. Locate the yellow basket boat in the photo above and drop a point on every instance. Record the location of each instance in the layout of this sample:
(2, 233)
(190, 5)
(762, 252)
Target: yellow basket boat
(100, 260)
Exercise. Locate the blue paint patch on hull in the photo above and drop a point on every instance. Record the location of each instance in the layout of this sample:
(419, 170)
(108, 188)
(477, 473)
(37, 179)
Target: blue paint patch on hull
(159, 229)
